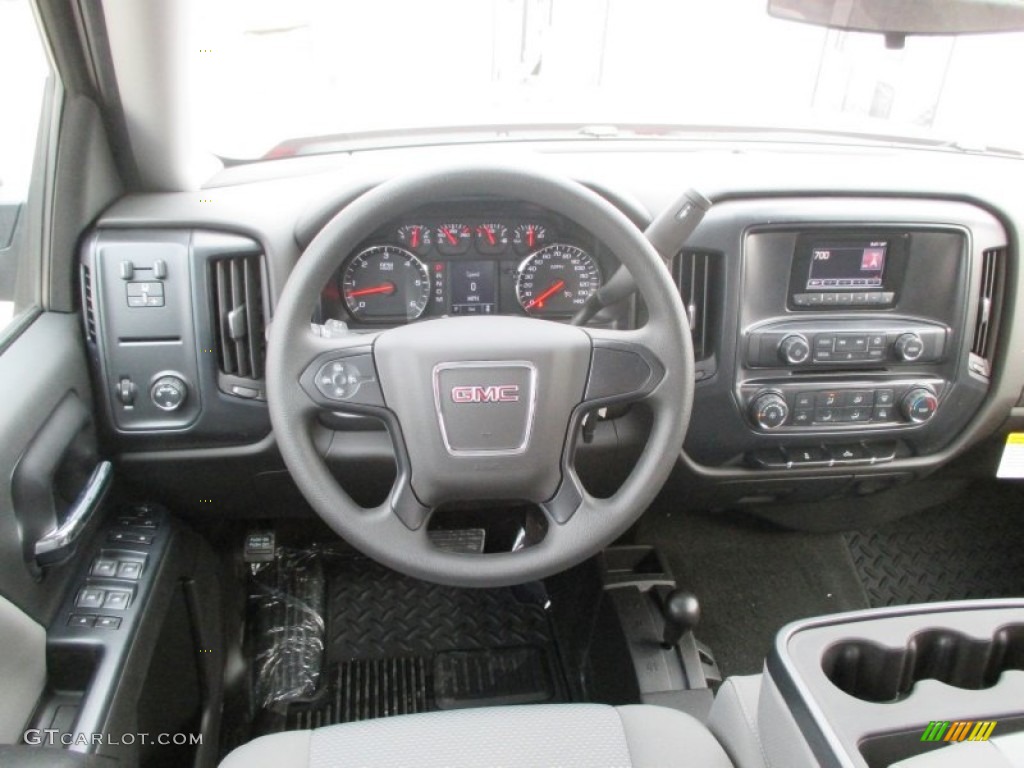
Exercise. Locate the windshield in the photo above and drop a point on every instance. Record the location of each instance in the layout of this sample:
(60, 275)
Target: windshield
(270, 71)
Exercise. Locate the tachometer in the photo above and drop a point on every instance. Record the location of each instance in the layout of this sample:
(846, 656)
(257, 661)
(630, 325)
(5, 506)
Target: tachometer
(557, 280)
(385, 282)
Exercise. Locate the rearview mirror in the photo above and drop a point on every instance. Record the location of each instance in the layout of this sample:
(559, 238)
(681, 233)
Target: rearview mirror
(898, 18)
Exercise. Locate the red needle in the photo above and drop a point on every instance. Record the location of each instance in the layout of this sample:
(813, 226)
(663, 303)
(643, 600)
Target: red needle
(449, 236)
(415, 237)
(539, 301)
(490, 235)
(386, 288)
(530, 234)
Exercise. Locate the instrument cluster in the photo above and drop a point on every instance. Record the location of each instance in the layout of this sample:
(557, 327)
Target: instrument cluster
(476, 262)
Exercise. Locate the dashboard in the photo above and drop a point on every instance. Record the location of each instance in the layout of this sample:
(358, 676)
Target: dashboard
(468, 258)
(848, 338)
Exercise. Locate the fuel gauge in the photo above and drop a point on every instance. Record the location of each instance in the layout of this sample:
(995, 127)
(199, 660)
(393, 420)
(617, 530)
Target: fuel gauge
(415, 237)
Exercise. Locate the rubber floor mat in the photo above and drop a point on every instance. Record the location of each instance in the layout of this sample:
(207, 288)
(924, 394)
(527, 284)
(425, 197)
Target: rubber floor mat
(971, 547)
(396, 645)
(376, 613)
(366, 689)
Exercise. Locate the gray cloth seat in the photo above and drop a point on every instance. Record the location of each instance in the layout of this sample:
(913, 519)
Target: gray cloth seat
(537, 736)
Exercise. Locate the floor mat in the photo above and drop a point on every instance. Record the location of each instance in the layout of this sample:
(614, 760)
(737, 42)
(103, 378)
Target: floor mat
(374, 612)
(396, 645)
(970, 547)
(752, 578)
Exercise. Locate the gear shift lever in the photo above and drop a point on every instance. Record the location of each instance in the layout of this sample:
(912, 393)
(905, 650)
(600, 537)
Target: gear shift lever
(682, 614)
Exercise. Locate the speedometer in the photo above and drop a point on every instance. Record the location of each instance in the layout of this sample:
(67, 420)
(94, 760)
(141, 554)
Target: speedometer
(385, 282)
(557, 280)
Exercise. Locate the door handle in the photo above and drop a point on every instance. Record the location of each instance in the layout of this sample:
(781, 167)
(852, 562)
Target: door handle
(58, 543)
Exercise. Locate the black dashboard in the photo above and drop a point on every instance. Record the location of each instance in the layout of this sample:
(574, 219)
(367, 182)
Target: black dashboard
(846, 339)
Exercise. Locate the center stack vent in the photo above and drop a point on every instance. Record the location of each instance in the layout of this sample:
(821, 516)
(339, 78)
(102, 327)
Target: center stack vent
(240, 312)
(699, 277)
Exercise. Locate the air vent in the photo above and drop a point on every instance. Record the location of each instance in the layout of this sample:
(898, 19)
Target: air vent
(88, 304)
(993, 266)
(236, 287)
(696, 274)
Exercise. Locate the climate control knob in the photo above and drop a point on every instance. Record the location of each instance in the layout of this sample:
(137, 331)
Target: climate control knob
(794, 350)
(168, 393)
(919, 405)
(769, 410)
(909, 347)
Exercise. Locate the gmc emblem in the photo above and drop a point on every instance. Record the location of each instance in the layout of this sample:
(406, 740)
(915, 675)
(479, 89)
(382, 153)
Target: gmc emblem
(500, 393)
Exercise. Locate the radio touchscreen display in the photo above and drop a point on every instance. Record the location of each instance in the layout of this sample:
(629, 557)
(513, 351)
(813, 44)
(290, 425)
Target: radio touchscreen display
(847, 266)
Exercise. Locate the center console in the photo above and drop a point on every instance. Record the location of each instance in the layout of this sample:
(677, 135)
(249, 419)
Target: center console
(856, 335)
(871, 688)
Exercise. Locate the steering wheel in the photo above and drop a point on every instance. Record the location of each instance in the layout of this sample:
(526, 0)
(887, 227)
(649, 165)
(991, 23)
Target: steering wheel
(482, 408)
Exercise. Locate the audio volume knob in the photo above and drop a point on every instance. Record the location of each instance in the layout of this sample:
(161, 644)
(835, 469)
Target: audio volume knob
(168, 393)
(909, 347)
(919, 405)
(794, 350)
(769, 410)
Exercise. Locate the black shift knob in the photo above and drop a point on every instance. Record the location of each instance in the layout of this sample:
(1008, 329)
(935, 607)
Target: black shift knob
(682, 614)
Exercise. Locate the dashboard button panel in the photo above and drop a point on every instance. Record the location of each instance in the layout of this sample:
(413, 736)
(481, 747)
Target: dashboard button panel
(785, 406)
(856, 343)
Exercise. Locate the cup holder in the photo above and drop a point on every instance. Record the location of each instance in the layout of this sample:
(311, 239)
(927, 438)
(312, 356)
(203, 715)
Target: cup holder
(871, 672)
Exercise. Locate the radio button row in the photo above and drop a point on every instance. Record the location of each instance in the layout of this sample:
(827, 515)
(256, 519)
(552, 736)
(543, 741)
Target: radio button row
(845, 298)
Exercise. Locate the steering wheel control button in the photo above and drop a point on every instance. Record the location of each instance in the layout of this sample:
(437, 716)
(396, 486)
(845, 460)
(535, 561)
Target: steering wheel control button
(617, 374)
(769, 411)
(919, 405)
(342, 379)
(485, 408)
(169, 393)
(794, 350)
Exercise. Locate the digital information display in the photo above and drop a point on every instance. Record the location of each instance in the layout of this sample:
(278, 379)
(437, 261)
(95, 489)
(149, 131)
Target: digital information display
(847, 266)
(474, 287)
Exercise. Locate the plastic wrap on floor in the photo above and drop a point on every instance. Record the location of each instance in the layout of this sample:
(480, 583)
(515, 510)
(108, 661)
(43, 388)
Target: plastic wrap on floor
(288, 601)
